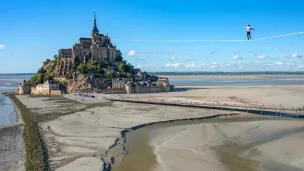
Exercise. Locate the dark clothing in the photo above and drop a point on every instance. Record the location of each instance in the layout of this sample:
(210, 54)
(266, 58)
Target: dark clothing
(248, 35)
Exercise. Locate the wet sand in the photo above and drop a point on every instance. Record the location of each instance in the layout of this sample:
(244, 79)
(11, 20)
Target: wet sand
(11, 139)
(217, 144)
(270, 96)
(11, 149)
(96, 133)
(79, 134)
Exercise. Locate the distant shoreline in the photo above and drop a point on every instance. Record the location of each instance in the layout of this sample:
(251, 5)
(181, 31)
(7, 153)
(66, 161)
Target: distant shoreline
(204, 73)
(229, 73)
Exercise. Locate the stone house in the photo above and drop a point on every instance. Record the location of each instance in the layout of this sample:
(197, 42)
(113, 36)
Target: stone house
(118, 84)
(47, 88)
(24, 88)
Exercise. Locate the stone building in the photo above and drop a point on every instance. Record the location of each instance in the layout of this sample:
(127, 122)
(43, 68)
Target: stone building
(24, 88)
(151, 89)
(47, 88)
(118, 84)
(66, 61)
(98, 47)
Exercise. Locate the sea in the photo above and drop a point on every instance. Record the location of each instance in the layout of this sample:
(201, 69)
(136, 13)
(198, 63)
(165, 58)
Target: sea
(259, 81)
(9, 83)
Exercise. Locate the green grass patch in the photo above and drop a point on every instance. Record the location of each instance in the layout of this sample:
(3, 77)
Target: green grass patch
(36, 157)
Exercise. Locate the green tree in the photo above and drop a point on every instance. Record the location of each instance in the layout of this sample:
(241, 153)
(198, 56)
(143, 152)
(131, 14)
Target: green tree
(40, 78)
(153, 78)
(92, 67)
(54, 63)
(41, 70)
(46, 62)
(121, 67)
(118, 59)
(82, 68)
(124, 68)
(33, 79)
(37, 79)
(129, 75)
(103, 65)
(48, 77)
(131, 67)
(69, 75)
(110, 75)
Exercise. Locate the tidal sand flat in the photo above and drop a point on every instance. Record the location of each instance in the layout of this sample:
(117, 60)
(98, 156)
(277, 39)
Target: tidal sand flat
(220, 144)
(11, 130)
(94, 135)
(237, 146)
(76, 132)
(11, 149)
(235, 80)
(271, 96)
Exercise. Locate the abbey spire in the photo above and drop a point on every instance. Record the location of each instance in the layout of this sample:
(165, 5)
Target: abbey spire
(95, 29)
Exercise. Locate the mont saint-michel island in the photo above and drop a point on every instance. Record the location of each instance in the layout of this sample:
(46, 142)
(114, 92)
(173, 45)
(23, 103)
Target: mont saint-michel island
(92, 65)
(174, 86)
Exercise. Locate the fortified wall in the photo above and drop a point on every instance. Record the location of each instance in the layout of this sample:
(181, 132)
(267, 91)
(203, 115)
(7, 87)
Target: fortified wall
(131, 90)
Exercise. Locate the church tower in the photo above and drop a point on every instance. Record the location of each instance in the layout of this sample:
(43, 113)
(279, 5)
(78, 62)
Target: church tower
(95, 31)
(96, 49)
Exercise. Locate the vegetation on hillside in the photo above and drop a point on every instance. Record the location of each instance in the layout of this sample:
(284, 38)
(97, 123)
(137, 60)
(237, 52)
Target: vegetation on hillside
(119, 69)
(46, 72)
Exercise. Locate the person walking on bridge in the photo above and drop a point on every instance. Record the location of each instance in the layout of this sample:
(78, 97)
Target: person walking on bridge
(248, 28)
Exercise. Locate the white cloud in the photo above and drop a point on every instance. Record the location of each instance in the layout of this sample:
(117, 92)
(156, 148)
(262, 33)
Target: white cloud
(262, 57)
(139, 66)
(279, 63)
(176, 65)
(173, 65)
(237, 57)
(191, 65)
(173, 58)
(1, 46)
(289, 64)
(296, 55)
(132, 53)
(152, 51)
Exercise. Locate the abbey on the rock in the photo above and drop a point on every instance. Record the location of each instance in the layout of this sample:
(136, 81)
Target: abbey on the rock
(99, 48)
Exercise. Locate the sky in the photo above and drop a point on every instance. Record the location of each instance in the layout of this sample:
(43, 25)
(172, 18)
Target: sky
(146, 32)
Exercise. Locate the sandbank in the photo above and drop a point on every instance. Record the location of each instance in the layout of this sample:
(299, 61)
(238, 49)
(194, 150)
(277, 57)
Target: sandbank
(92, 129)
(254, 145)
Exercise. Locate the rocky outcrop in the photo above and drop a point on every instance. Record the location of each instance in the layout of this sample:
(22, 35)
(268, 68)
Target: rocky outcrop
(81, 85)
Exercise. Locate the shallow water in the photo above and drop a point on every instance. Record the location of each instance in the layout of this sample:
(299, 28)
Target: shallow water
(9, 83)
(141, 155)
(7, 112)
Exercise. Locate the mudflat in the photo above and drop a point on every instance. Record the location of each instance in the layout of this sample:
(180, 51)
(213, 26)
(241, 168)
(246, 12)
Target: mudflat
(271, 96)
(93, 132)
(94, 135)
(11, 148)
(237, 146)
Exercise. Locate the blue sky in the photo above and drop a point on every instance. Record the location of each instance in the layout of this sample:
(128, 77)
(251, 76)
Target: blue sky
(31, 31)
